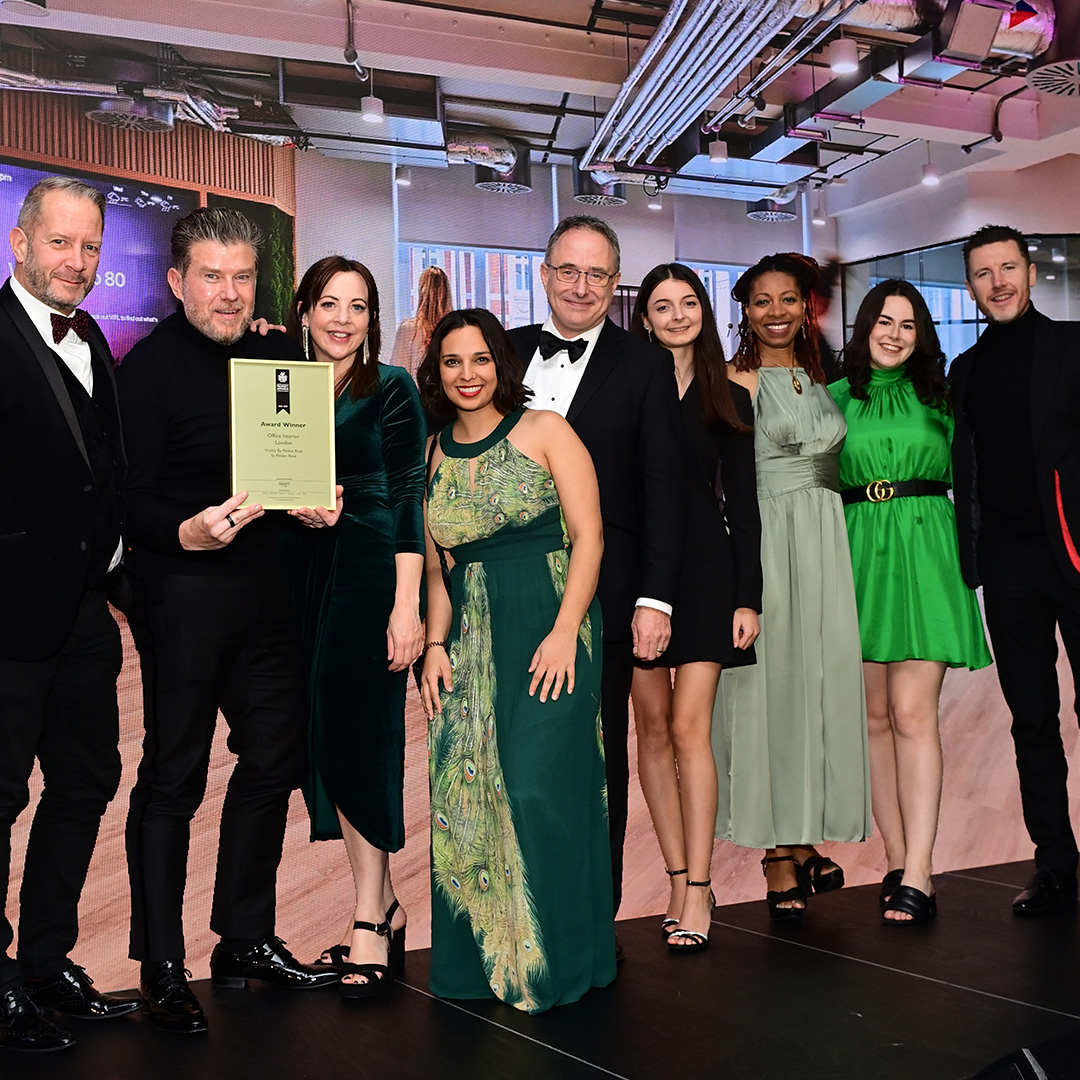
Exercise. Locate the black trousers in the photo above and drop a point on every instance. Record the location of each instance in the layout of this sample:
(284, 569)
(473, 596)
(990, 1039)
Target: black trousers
(63, 712)
(1027, 600)
(207, 643)
(616, 676)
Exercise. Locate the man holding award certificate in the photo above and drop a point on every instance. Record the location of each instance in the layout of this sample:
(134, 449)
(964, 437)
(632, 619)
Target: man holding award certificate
(213, 625)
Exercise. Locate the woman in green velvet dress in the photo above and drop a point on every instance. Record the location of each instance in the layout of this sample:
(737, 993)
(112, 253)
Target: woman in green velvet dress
(916, 615)
(357, 592)
(520, 857)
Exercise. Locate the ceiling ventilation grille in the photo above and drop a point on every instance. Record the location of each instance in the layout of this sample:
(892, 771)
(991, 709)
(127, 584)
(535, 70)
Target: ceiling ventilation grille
(769, 210)
(131, 115)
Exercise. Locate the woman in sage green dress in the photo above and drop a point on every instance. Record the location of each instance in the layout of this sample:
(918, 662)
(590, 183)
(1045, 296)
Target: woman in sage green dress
(520, 859)
(916, 615)
(356, 589)
(790, 731)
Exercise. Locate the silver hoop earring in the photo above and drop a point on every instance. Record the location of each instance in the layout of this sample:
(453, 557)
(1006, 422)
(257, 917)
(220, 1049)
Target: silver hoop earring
(367, 355)
(304, 341)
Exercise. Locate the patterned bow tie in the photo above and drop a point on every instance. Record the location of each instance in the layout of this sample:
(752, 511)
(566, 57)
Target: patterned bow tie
(79, 322)
(550, 345)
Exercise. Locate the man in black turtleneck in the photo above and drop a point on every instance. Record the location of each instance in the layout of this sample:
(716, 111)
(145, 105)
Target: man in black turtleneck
(214, 628)
(1016, 475)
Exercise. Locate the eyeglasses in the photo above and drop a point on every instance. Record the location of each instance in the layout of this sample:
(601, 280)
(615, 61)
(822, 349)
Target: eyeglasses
(570, 274)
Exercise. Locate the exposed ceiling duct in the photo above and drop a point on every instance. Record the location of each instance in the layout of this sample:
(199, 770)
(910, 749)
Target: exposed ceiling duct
(592, 191)
(130, 114)
(1057, 70)
(769, 210)
(516, 180)
(480, 148)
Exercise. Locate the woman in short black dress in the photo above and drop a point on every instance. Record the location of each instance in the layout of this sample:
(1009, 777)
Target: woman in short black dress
(714, 619)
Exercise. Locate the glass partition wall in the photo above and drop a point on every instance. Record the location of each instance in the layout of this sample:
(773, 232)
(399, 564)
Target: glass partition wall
(938, 273)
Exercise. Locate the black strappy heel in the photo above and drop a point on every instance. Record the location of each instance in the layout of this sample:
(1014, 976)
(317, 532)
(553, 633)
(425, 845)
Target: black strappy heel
(379, 976)
(695, 941)
(668, 923)
(774, 898)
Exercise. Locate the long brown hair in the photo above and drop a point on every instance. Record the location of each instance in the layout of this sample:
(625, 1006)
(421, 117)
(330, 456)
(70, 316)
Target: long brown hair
(434, 304)
(807, 275)
(925, 366)
(361, 378)
(710, 367)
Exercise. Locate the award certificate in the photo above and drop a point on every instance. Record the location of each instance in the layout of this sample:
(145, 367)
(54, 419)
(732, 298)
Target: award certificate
(281, 431)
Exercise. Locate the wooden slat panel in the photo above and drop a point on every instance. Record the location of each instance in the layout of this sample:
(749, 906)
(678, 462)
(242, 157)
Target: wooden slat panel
(53, 130)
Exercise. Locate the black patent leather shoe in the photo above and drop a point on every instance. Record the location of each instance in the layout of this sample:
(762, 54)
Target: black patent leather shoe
(170, 1003)
(269, 962)
(22, 1027)
(72, 993)
(1047, 891)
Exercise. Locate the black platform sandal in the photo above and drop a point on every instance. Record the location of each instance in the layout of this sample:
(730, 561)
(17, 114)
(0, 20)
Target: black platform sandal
(668, 923)
(812, 877)
(379, 976)
(889, 884)
(774, 898)
(913, 902)
(338, 954)
(396, 955)
(695, 941)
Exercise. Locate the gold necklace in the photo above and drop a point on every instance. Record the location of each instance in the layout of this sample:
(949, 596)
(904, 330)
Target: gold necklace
(795, 384)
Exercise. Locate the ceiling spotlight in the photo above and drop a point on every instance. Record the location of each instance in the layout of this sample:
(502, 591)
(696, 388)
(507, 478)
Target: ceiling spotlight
(718, 151)
(931, 177)
(1056, 255)
(656, 203)
(844, 56)
(403, 176)
(818, 213)
(1050, 277)
(36, 8)
(371, 109)
(1033, 247)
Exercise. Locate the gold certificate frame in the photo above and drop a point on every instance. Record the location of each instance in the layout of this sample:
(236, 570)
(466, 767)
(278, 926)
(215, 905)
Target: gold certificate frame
(281, 432)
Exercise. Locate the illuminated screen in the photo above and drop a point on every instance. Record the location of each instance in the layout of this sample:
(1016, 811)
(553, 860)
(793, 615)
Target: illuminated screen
(131, 293)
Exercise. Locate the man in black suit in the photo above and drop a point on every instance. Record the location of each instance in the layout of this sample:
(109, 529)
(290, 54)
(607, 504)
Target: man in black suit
(214, 627)
(1016, 475)
(60, 519)
(619, 394)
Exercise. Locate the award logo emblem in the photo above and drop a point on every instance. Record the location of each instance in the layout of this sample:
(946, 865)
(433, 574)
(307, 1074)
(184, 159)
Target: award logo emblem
(282, 390)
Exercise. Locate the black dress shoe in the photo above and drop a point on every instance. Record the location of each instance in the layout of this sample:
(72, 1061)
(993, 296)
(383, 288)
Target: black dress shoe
(170, 1003)
(22, 1027)
(1046, 891)
(72, 993)
(268, 962)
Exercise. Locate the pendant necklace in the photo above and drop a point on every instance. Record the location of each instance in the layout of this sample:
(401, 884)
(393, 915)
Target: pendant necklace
(795, 381)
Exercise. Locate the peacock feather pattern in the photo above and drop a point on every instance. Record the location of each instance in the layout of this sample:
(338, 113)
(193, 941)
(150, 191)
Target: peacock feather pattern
(476, 859)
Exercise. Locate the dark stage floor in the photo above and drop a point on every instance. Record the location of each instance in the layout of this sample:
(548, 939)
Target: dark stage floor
(843, 996)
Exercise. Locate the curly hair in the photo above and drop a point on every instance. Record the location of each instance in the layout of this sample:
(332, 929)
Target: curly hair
(710, 367)
(511, 393)
(807, 276)
(925, 366)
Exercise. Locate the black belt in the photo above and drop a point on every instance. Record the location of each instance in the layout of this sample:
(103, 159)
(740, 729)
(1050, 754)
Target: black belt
(883, 490)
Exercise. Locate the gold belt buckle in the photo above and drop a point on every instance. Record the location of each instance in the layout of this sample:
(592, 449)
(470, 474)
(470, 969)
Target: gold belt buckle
(880, 490)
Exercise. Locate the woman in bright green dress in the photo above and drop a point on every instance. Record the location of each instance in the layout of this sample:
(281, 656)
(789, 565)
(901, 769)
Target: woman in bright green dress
(520, 860)
(916, 616)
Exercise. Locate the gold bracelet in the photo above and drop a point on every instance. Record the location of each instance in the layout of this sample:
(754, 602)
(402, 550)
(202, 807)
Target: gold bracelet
(432, 644)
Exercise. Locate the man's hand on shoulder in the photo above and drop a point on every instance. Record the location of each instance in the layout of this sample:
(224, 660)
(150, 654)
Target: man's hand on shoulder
(217, 526)
(652, 632)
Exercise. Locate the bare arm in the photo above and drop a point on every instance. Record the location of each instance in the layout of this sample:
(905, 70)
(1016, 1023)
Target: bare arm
(575, 480)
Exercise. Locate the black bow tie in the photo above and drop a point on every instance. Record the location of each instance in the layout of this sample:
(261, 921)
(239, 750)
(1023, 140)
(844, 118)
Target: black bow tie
(61, 324)
(550, 345)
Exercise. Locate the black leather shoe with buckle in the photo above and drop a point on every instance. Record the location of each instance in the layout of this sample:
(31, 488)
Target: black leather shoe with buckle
(170, 1003)
(268, 962)
(72, 993)
(22, 1027)
(1047, 891)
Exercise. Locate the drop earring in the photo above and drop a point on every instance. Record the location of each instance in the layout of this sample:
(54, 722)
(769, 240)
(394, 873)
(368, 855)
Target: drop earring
(366, 355)
(304, 341)
(648, 330)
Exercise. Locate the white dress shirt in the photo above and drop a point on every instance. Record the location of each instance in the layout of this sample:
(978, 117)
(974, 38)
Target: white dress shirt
(555, 381)
(72, 350)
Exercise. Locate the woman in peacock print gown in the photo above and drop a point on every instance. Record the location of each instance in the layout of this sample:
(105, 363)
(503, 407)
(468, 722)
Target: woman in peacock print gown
(520, 861)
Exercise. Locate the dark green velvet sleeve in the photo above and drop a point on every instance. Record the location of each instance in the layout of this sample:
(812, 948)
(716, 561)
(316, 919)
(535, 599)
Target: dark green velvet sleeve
(403, 436)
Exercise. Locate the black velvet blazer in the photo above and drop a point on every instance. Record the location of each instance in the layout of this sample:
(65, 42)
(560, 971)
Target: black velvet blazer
(1055, 424)
(626, 412)
(47, 503)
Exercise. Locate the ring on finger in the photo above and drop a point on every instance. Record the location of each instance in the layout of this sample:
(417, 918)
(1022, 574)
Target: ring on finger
(229, 519)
